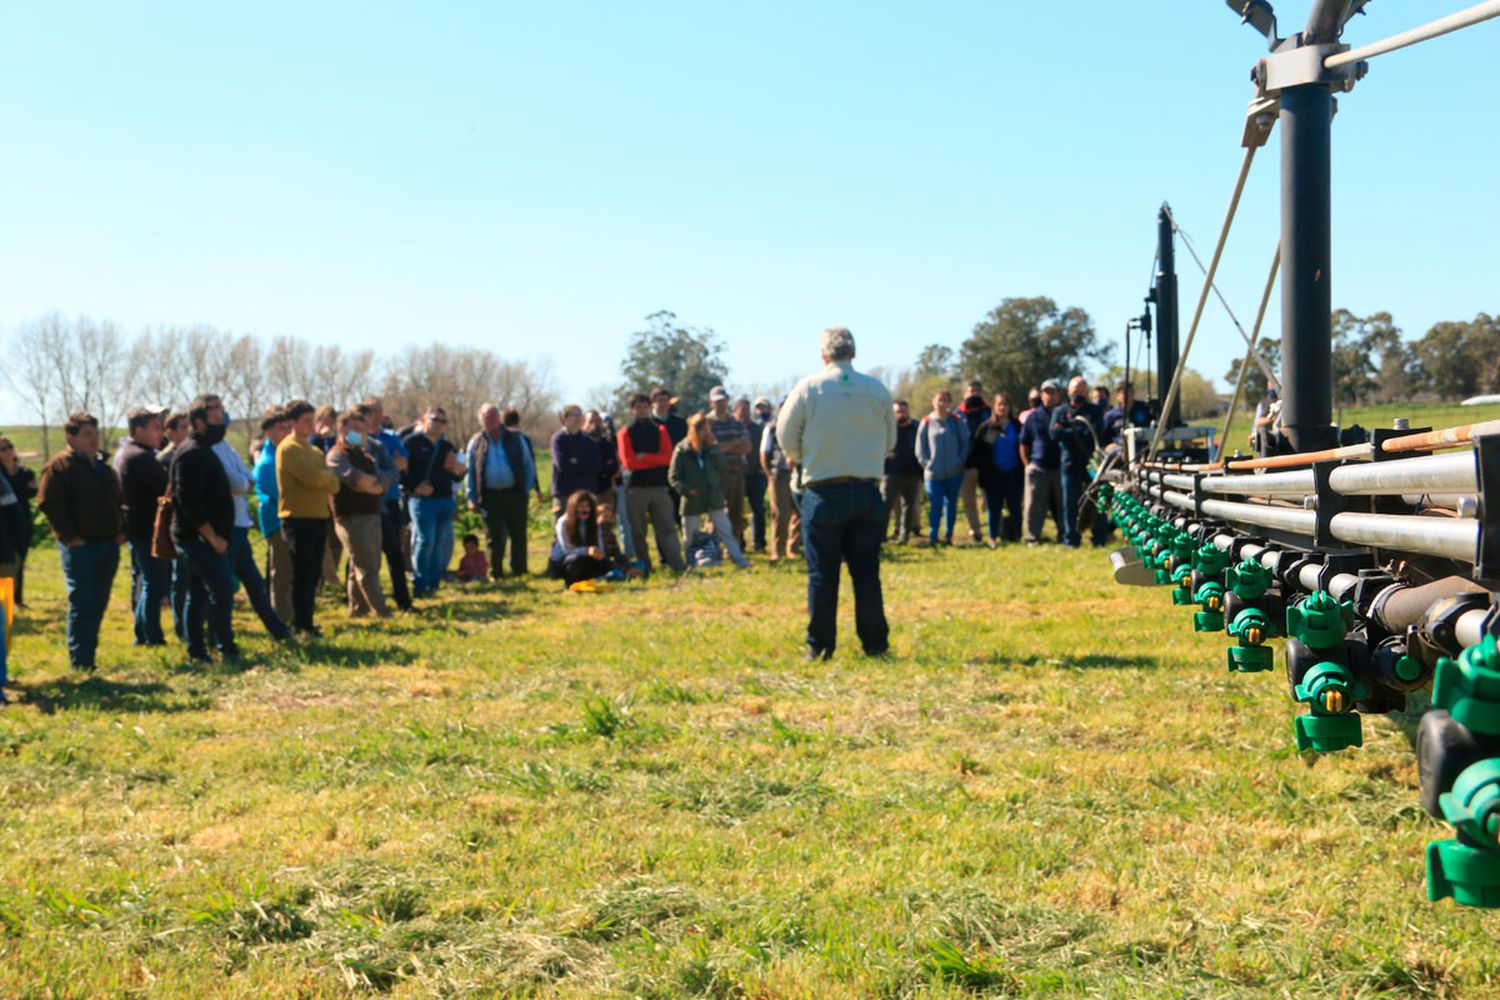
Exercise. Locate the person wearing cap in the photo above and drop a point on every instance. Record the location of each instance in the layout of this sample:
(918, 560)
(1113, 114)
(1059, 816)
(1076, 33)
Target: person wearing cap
(733, 439)
(975, 410)
(838, 425)
(143, 480)
(1263, 433)
(1076, 429)
(1043, 467)
(756, 480)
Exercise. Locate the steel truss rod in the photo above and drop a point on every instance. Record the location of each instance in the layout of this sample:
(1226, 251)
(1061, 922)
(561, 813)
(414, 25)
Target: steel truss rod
(1466, 18)
(1208, 281)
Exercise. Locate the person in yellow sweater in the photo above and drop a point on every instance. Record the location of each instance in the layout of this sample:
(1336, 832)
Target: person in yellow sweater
(306, 485)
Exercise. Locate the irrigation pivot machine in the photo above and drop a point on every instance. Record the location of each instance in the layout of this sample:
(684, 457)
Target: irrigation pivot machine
(1374, 562)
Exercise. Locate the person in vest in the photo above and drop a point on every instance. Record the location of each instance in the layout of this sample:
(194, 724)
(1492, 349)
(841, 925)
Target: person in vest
(646, 453)
(697, 474)
(501, 478)
(356, 513)
(81, 499)
(942, 450)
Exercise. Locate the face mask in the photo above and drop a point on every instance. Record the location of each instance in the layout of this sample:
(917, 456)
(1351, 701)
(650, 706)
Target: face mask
(1079, 400)
(354, 439)
(214, 433)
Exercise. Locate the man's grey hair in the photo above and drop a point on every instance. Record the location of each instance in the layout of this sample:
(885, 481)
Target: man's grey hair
(488, 406)
(838, 344)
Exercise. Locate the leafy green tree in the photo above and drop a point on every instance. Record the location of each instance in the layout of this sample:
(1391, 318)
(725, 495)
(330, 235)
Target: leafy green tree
(687, 360)
(1353, 369)
(1460, 358)
(1255, 379)
(1025, 341)
(935, 361)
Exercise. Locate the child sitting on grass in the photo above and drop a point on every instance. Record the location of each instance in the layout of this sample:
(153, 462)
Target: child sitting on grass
(474, 565)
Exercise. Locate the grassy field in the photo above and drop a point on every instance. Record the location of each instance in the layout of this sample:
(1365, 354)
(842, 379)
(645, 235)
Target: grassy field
(1052, 789)
(1370, 417)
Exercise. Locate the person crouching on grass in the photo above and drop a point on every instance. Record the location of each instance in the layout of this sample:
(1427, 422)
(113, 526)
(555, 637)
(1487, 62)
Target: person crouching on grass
(580, 541)
(697, 474)
(474, 567)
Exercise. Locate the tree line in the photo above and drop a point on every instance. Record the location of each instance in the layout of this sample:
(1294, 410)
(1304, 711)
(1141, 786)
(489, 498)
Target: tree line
(60, 366)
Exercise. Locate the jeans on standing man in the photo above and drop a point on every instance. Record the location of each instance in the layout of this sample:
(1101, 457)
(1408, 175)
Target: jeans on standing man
(844, 523)
(154, 579)
(432, 541)
(89, 573)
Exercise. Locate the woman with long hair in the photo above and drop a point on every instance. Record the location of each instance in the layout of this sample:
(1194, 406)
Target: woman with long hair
(23, 484)
(580, 540)
(996, 453)
(697, 474)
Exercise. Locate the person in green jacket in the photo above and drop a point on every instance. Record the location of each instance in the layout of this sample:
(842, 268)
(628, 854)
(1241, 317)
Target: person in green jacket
(697, 474)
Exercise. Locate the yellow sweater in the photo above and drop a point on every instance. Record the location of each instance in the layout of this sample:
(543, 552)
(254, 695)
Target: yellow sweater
(303, 479)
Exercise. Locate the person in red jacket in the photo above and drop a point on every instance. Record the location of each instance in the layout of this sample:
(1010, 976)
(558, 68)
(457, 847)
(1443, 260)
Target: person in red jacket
(645, 454)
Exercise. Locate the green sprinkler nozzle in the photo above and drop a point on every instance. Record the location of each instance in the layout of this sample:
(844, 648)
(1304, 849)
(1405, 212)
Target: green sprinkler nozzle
(1468, 867)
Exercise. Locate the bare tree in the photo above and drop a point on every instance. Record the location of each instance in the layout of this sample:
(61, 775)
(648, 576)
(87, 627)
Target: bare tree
(32, 374)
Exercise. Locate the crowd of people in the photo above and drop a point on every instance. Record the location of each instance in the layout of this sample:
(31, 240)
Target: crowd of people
(821, 476)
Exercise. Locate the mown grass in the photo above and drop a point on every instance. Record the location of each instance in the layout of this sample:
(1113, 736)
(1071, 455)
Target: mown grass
(1053, 789)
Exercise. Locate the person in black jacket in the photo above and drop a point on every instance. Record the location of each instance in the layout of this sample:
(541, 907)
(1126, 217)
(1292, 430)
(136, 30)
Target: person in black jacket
(13, 526)
(202, 522)
(22, 483)
(1076, 428)
(995, 454)
(143, 480)
(901, 489)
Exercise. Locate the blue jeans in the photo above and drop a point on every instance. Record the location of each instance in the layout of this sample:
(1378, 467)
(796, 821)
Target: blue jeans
(153, 578)
(242, 564)
(89, 572)
(844, 523)
(942, 497)
(431, 542)
(210, 599)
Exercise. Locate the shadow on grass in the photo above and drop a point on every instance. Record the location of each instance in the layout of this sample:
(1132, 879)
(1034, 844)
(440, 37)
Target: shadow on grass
(99, 693)
(1089, 661)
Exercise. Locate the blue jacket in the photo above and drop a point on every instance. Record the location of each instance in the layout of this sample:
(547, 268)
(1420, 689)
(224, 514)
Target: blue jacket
(266, 491)
(1036, 438)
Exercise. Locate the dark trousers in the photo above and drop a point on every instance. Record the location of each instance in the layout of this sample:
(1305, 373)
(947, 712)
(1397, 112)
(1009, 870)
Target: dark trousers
(210, 599)
(581, 566)
(307, 539)
(1005, 489)
(844, 523)
(89, 572)
(21, 575)
(151, 578)
(395, 556)
(505, 521)
(181, 575)
(903, 501)
(755, 495)
(242, 564)
(1073, 485)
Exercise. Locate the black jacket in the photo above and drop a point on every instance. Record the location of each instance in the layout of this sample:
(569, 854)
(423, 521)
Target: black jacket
(1071, 435)
(200, 492)
(143, 480)
(902, 460)
(982, 450)
(424, 464)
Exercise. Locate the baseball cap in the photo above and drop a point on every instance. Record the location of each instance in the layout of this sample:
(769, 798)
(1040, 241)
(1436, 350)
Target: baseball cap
(762, 401)
(717, 393)
(1052, 384)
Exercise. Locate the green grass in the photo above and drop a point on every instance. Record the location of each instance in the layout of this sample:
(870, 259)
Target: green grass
(1053, 789)
(1433, 415)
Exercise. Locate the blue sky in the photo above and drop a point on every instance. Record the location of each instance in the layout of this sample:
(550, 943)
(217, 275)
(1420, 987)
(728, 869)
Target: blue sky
(537, 178)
